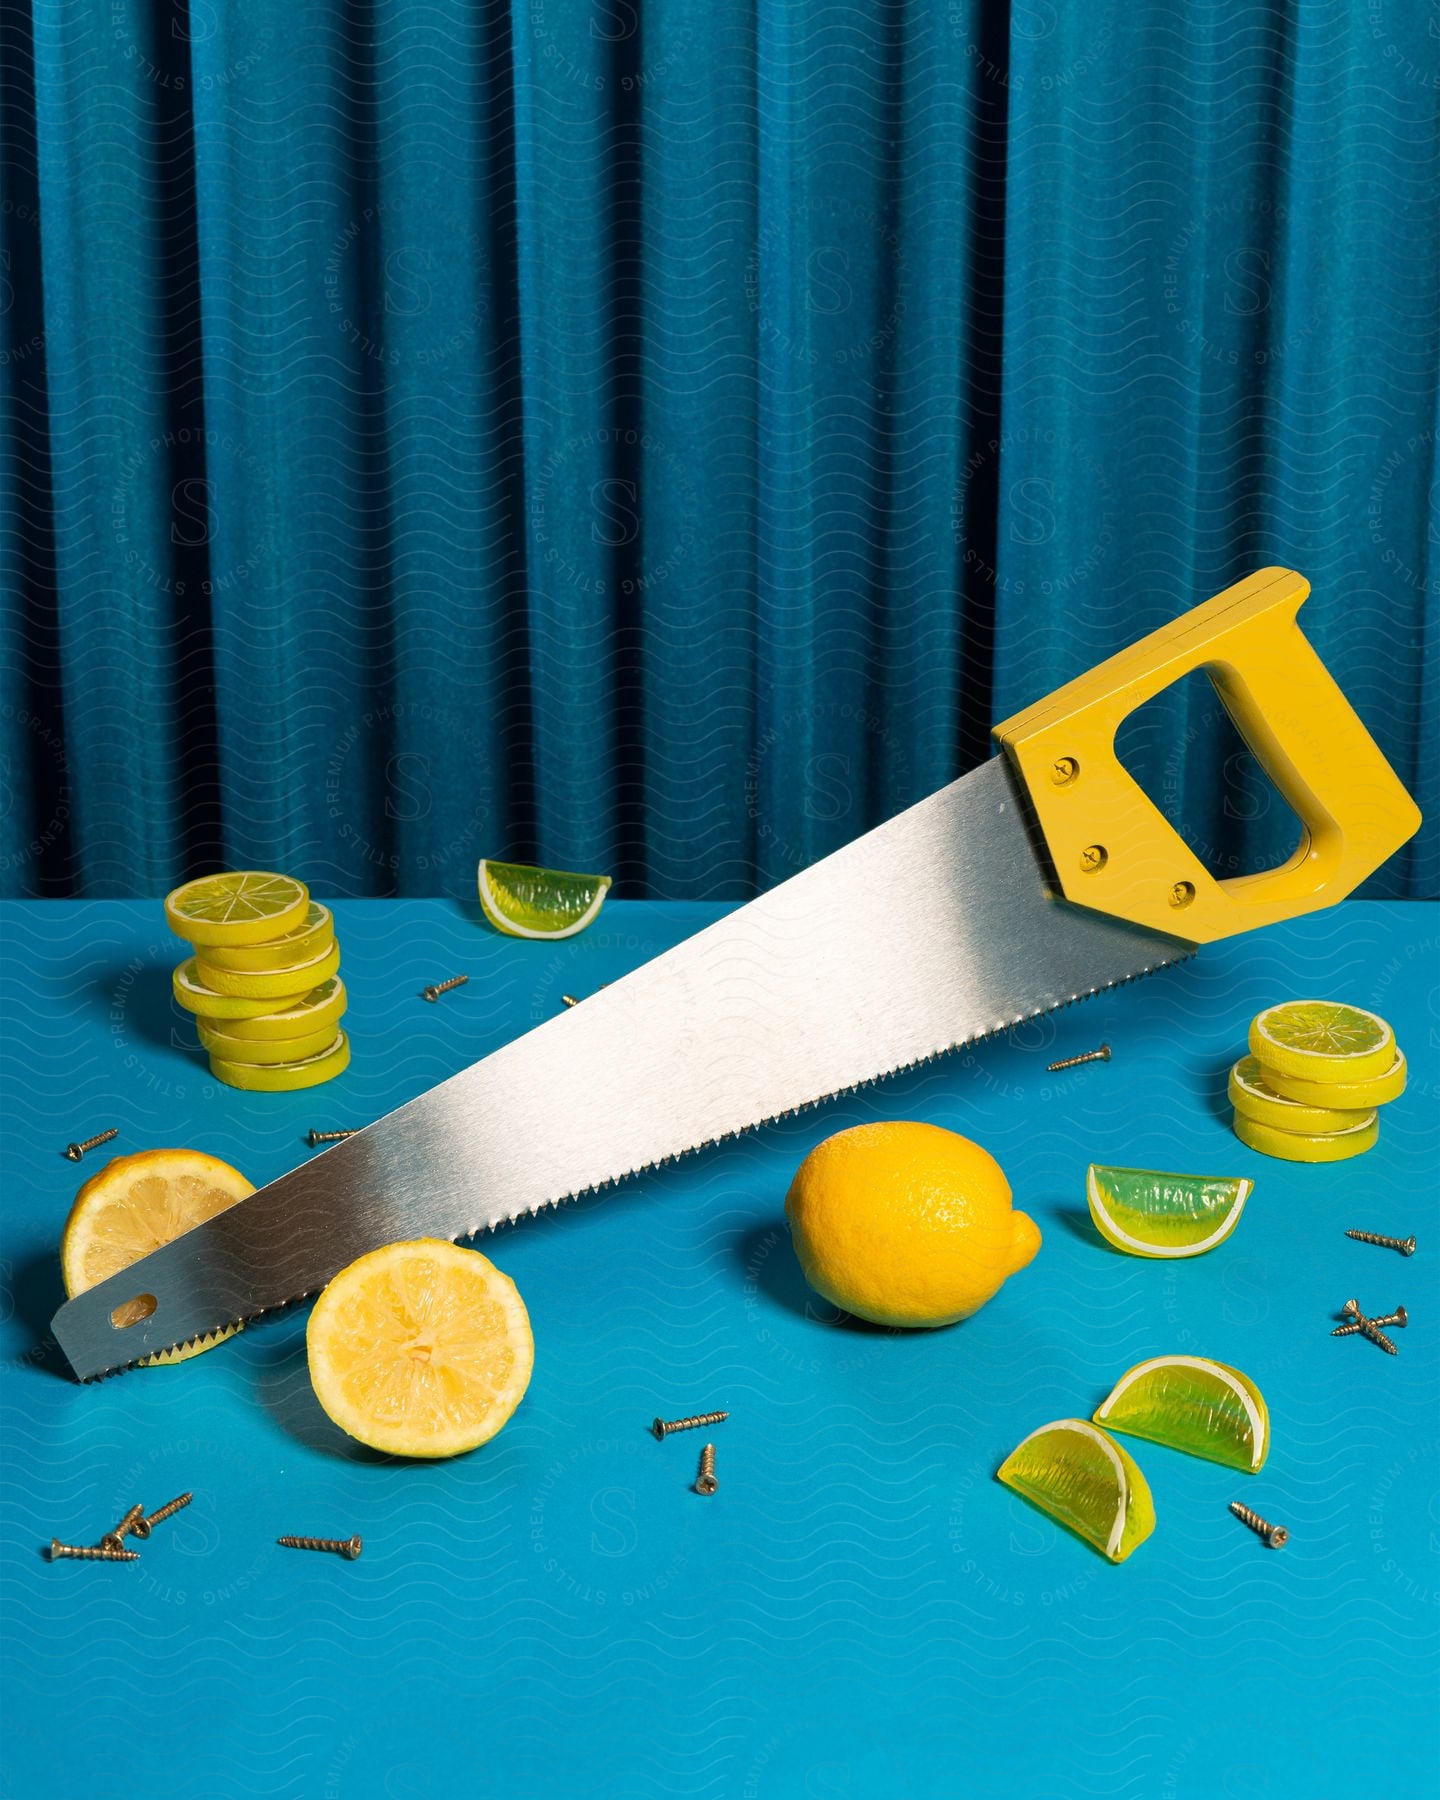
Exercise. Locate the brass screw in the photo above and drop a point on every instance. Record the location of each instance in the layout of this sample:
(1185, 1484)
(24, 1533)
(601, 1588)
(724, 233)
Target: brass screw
(1399, 1317)
(1093, 857)
(443, 987)
(1182, 893)
(143, 1527)
(1368, 1326)
(329, 1137)
(663, 1427)
(1070, 1062)
(569, 1000)
(112, 1539)
(1064, 770)
(90, 1553)
(1406, 1246)
(76, 1151)
(1276, 1536)
(348, 1547)
(705, 1482)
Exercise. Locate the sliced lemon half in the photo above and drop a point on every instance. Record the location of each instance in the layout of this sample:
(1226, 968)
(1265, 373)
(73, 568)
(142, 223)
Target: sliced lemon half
(196, 995)
(312, 936)
(1193, 1404)
(1379, 1090)
(304, 1017)
(285, 1077)
(271, 984)
(1251, 1094)
(1147, 1213)
(1303, 1147)
(420, 1349)
(134, 1205)
(539, 903)
(1322, 1040)
(1081, 1477)
(240, 906)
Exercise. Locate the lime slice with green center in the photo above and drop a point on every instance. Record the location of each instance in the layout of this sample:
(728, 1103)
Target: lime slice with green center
(276, 1078)
(1251, 1094)
(241, 906)
(539, 903)
(250, 984)
(1082, 1478)
(304, 1017)
(1147, 1213)
(1379, 1090)
(1193, 1404)
(1322, 1040)
(311, 938)
(1309, 1147)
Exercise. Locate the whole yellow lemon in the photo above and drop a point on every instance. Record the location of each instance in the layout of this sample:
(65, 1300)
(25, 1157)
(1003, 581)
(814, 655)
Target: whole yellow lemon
(906, 1224)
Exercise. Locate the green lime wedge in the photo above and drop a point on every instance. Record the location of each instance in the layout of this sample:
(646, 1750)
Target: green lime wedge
(539, 903)
(1083, 1478)
(1147, 1213)
(1193, 1404)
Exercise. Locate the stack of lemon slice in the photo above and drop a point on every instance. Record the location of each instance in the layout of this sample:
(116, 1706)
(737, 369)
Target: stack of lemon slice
(263, 982)
(1317, 1072)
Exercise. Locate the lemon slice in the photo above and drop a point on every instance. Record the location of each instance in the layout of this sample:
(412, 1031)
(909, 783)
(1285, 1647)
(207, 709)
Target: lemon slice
(305, 1017)
(314, 933)
(1379, 1090)
(1306, 1147)
(1148, 1213)
(420, 1349)
(247, 984)
(238, 907)
(226, 1048)
(134, 1205)
(1251, 1094)
(539, 903)
(1321, 1040)
(197, 996)
(1083, 1478)
(282, 1077)
(1193, 1404)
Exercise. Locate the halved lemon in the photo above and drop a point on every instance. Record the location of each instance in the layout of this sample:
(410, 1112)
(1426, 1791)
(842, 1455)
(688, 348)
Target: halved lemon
(226, 1048)
(284, 1077)
(1147, 1213)
(539, 903)
(270, 984)
(1309, 1147)
(1322, 1040)
(1081, 1476)
(313, 935)
(1193, 1404)
(1379, 1090)
(134, 1205)
(420, 1349)
(196, 995)
(304, 1017)
(1251, 1094)
(240, 906)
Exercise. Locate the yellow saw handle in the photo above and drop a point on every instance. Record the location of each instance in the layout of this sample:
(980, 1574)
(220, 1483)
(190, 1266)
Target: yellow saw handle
(1111, 847)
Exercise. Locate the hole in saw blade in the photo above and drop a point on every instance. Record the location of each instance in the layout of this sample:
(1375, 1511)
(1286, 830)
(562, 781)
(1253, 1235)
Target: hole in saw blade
(131, 1312)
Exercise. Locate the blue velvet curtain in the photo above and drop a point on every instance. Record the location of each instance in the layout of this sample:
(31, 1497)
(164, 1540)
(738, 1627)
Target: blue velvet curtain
(664, 439)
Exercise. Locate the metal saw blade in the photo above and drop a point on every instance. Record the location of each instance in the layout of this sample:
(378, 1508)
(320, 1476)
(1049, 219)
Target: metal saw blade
(934, 930)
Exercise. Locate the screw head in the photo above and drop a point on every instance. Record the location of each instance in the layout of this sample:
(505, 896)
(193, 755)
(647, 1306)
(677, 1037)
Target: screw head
(1401, 1317)
(1352, 1307)
(707, 1484)
(74, 1152)
(659, 1429)
(1277, 1537)
(1093, 857)
(1064, 770)
(1407, 1247)
(352, 1548)
(1182, 893)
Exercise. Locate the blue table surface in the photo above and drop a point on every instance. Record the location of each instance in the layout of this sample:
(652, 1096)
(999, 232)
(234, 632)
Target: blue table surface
(861, 1610)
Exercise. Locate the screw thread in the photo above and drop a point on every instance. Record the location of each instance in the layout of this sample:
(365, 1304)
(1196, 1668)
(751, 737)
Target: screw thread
(705, 1482)
(76, 1151)
(342, 1546)
(89, 1553)
(330, 1137)
(663, 1427)
(1071, 1062)
(1274, 1535)
(436, 989)
(144, 1527)
(1406, 1246)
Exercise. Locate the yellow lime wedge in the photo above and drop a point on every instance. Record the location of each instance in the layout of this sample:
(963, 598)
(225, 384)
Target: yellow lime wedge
(280, 1078)
(226, 1048)
(248, 984)
(1322, 1040)
(1303, 1147)
(1379, 1090)
(539, 903)
(420, 1349)
(237, 907)
(1251, 1094)
(1147, 1213)
(197, 996)
(1193, 1404)
(314, 934)
(304, 1017)
(1083, 1478)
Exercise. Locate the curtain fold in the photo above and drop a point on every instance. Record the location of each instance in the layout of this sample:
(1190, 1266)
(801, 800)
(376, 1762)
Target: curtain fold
(664, 440)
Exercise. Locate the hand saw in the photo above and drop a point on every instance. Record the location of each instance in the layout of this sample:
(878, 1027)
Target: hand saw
(1044, 875)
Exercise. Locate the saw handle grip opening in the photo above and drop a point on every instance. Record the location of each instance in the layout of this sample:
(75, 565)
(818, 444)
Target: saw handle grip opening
(1111, 847)
(133, 1312)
